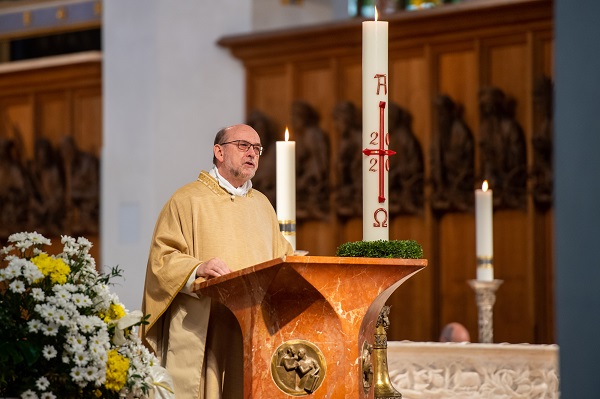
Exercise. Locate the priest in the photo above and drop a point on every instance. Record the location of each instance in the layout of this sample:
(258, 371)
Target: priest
(208, 228)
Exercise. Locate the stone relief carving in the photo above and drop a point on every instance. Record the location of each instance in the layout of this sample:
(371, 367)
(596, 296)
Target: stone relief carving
(56, 192)
(452, 159)
(265, 178)
(543, 144)
(503, 149)
(406, 175)
(436, 371)
(348, 190)
(312, 162)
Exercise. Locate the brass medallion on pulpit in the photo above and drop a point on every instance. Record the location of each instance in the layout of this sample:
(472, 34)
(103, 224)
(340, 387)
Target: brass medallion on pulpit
(298, 367)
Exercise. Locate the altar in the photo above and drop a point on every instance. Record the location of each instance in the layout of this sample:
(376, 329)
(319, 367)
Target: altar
(469, 370)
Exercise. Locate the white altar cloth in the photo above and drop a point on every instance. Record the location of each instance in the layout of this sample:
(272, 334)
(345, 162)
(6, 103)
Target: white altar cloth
(431, 370)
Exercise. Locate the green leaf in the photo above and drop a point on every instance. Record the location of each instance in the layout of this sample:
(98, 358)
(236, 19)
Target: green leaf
(31, 353)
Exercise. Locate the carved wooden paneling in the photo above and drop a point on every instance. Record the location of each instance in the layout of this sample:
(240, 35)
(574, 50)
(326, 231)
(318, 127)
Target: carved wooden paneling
(87, 119)
(455, 51)
(51, 115)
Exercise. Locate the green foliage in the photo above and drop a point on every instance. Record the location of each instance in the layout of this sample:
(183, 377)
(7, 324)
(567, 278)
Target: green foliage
(403, 249)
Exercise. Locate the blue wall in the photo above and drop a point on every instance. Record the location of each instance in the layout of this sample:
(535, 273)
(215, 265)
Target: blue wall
(577, 166)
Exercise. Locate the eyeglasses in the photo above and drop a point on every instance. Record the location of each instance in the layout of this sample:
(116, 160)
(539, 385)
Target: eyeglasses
(244, 146)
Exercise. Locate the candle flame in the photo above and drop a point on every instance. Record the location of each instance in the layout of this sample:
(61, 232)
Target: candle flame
(287, 134)
(484, 186)
(376, 14)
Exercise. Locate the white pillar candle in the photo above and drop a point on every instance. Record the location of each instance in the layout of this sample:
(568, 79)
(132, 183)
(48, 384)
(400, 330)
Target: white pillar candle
(375, 139)
(484, 233)
(286, 187)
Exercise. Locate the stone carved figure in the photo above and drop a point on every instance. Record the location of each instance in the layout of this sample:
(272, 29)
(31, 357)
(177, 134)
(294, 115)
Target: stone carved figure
(406, 175)
(312, 162)
(265, 178)
(81, 173)
(503, 149)
(47, 204)
(543, 145)
(452, 159)
(14, 188)
(456, 370)
(349, 160)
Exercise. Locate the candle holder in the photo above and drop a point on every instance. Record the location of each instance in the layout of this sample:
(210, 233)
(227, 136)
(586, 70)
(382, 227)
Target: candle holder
(485, 295)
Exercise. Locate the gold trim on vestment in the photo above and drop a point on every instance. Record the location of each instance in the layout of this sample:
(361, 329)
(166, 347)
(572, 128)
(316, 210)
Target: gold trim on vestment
(214, 186)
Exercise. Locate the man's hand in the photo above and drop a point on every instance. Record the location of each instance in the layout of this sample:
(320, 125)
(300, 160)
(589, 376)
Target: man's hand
(214, 267)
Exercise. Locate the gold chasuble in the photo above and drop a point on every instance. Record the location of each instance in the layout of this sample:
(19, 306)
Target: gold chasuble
(199, 222)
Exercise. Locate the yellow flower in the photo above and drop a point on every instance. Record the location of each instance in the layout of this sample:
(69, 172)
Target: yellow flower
(116, 371)
(115, 312)
(57, 269)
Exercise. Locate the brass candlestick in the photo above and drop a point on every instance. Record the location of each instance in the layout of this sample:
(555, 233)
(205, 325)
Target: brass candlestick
(383, 386)
(485, 295)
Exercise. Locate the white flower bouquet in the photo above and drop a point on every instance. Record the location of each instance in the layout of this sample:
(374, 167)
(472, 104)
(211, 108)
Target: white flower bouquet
(63, 334)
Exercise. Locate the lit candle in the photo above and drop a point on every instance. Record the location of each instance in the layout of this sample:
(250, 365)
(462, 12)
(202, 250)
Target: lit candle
(375, 138)
(286, 187)
(484, 230)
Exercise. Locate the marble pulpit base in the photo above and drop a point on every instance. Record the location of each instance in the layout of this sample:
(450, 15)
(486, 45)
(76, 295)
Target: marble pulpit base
(429, 370)
(325, 306)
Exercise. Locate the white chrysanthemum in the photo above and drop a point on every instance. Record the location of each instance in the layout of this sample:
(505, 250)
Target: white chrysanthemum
(67, 240)
(78, 375)
(77, 340)
(25, 240)
(38, 294)
(61, 298)
(29, 394)
(34, 325)
(37, 239)
(7, 249)
(17, 237)
(22, 245)
(98, 352)
(62, 318)
(69, 287)
(12, 271)
(46, 310)
(102, 300)
(17, 286)
(31, 272)
(19, 264)
(49, 352)
(91, 373)
(50, 329)
(88, 324)
(81, 358)
(81, 300)
(42, 383)
(3, 274)
(47, 395)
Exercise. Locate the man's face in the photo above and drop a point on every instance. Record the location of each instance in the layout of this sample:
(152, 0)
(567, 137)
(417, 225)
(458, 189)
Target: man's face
(238, 166)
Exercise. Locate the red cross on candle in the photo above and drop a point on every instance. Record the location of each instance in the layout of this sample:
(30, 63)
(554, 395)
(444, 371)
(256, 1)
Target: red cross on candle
(381, 152)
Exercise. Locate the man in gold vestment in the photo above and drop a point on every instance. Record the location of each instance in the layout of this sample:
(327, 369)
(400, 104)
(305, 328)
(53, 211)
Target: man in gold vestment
(208, 228)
